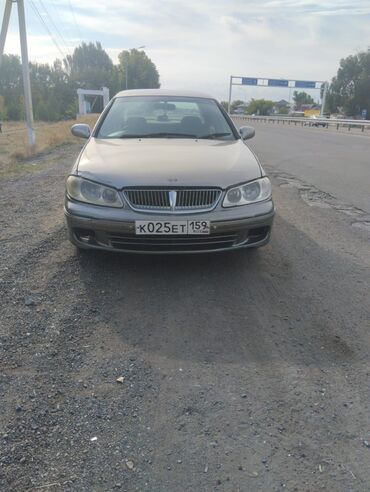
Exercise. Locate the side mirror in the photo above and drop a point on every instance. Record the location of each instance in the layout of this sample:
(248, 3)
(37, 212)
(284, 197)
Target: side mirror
(247, 132)
(81, 130)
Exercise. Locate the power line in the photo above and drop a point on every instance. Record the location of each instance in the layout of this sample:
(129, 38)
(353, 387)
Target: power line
(63, 26)
(61, 37)
(74, 19)
(35, 9)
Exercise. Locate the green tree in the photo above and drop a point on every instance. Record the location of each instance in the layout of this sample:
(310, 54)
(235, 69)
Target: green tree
(89, 67)
(2, 108)
(52, 91)
(50, 87)
(350, 88)
(115, 78)
(225, 105)
(64, 92)
(42, 92)
(137, 71)
(283, 110)
(54, 86)
(261, 107)
(301, 98)
(11, 86)
(235, 104)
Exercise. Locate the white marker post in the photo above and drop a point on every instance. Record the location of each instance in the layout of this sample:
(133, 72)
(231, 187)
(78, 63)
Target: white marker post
(230, 89)
(26, 73)
(24, 55)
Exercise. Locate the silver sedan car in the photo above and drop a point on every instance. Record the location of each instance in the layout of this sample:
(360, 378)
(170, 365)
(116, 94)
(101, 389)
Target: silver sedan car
(167, 172)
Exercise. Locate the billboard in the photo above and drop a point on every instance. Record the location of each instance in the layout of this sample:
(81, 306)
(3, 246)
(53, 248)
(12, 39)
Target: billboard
(305, 84)
(264, 82)
(249, 81)
(277, 83)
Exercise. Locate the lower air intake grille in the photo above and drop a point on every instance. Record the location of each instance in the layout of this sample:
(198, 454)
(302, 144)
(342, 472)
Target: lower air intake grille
(175, 243)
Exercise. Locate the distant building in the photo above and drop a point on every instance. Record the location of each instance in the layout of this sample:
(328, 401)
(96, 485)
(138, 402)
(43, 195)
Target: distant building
(311, 109)
(312, 112)
(241, 109)
(281, 106)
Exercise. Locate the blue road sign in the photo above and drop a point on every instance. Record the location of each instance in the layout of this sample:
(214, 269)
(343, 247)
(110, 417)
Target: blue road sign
(278, 83)
(289, 83)
(305, 84)
(364, 113)
(249, 81)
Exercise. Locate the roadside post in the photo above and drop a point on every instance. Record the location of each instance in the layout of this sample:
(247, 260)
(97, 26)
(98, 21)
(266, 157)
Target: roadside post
(230, 90)
(323, 100)
(24, 56)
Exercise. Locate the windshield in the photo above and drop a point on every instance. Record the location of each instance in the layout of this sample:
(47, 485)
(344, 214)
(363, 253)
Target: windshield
(165, 117)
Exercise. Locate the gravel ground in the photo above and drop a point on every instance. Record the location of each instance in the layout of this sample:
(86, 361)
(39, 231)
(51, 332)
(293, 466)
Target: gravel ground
(230, 372)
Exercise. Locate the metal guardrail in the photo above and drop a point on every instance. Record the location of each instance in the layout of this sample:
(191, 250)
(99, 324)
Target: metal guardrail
(291, 120)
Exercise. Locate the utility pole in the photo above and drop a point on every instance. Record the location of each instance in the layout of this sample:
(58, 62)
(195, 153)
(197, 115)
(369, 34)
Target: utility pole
(323, 101)
(24, 56)
(4, 27)
(230, 89)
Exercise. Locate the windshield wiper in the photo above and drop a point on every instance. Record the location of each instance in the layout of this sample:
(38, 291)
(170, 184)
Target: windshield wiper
(216, 135)
(160, 135)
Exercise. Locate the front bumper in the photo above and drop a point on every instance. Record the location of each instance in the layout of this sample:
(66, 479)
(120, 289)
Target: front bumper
(93, 227)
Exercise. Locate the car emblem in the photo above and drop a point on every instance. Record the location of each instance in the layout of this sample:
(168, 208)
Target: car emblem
(172, 197)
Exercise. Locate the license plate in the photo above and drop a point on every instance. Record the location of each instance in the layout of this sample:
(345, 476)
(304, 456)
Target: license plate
(172, 227)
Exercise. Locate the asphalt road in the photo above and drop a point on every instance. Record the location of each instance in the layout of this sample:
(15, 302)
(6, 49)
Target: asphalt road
(240, 372)
(337, 163)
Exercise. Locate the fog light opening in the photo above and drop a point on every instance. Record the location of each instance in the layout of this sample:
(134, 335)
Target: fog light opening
(258, 234)
(85, 235)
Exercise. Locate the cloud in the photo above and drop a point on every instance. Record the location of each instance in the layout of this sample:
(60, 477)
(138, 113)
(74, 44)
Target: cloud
(257, 28)
(199, 44)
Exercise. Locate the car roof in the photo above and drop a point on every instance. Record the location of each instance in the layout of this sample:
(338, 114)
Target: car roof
(162, 92)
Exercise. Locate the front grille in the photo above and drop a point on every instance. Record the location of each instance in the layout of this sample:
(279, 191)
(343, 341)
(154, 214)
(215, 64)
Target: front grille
(173, 200)
(172, 243)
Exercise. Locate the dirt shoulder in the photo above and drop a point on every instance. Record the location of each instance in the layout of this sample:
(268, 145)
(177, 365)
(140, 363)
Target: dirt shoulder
(240, 372)
(16, 154)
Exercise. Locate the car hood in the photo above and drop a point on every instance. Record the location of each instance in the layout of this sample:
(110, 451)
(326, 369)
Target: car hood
(167, 162)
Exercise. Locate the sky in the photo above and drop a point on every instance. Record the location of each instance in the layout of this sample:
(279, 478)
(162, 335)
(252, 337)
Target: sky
(198, 44)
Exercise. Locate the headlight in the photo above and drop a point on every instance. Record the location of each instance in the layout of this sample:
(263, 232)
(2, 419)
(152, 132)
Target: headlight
(255, 191)
(87, 191)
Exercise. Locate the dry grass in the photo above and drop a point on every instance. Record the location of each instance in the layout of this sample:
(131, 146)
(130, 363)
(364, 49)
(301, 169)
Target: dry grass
(14, 147)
